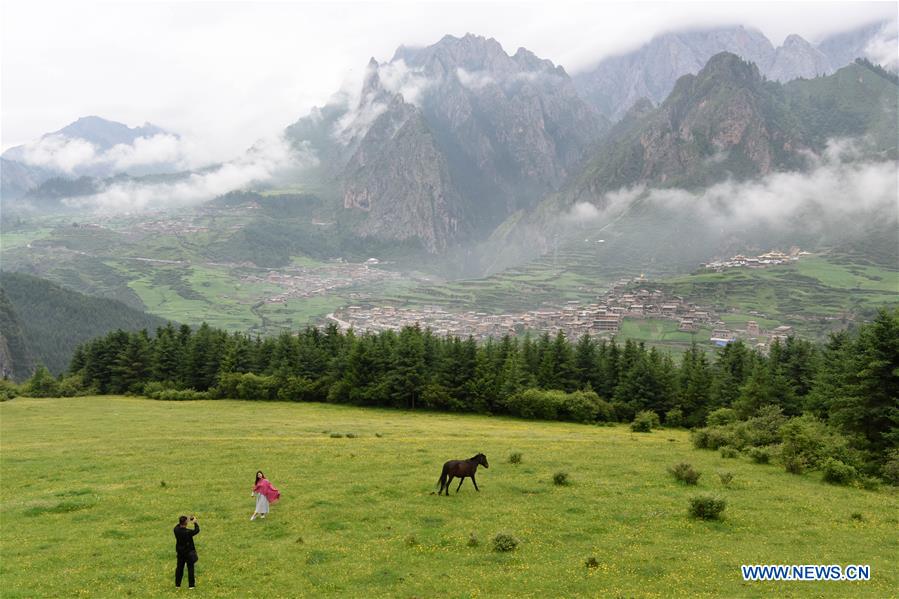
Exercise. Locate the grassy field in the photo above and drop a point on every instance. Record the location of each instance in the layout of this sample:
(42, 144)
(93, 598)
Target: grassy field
(93, 486)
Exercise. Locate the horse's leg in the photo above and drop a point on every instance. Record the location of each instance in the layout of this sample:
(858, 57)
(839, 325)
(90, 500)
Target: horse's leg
(448, 483)
(461, 480)
(475, 483)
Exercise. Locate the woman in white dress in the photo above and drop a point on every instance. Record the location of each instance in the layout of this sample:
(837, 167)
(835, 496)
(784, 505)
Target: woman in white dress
(265, 495)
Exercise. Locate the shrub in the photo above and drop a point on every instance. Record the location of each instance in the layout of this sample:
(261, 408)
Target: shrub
(180, 395)
(645, 421)
(811, 441)
(764, 427)
(760, 455)
(336, 435)
(729, 452)
(857, 516)
(42, 384)
(794, 464)
(350, 435)
(8, 390)
(515, 458)
(295, 388)
(838, 473)
(685, 473)
(721, 417)
(700, 438)
(473, 540)
(674, 418)
(707, 507)
(726, 478)
(504, 542)
(561, 479)
(890, 469)
(591, 562)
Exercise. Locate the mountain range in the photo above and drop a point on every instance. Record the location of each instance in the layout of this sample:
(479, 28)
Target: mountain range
(446, 144)
(616, 83)
(88, 147)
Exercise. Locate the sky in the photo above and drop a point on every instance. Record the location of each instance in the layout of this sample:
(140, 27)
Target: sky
(227, 74)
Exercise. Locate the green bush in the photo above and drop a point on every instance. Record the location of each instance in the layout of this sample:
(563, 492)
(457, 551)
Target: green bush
(700, 438)
(515, 458)
(794, 464)
(180, 395)
(760, 455)
(674, 418)
(838, 473)
(578, 406)
(8, 390)
(721, 417)
(811, 441)
(707, 507)
(591, 562)
(729, 452)
(504, 542)
(473, 540)
(42, 384)
(561, 479)
(726, 478)
(685, 473)
(889, 471)
(645, 421)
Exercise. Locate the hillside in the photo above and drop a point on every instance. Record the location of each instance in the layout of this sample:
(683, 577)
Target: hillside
(650, 71)
(729, 122)
(53, 321)
(444, 142)
(358, 516)
(16, 359)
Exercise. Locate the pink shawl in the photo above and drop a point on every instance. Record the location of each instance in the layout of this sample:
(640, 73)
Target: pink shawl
(263, 487)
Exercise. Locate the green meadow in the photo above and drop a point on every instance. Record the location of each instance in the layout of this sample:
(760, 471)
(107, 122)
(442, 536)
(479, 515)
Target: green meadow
(93, 486)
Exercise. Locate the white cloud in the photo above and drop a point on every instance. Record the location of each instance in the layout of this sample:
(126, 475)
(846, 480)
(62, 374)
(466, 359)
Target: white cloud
(229, 73)
(884, 48)
(155, 150)
(75, 156)
(60, 153)
(265, 162)
(474, 80)
(838, 187)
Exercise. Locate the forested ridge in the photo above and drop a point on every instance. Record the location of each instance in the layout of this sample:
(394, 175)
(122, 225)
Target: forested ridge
(844, 395)
(52, 320)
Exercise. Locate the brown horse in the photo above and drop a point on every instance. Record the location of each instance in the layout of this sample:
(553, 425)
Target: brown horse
(461, 469)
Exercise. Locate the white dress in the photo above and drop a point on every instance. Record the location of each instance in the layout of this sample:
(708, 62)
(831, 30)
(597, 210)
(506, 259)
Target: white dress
(261, 504)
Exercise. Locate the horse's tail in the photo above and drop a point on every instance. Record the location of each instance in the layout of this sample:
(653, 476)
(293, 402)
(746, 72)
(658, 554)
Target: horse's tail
(443, 474)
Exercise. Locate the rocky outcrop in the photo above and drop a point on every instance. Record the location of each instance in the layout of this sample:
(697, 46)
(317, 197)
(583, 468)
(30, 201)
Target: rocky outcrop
(729, 122)
(444, 142)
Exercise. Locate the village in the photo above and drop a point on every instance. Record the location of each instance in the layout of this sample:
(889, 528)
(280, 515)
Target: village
(770, 258)
(306, 281)
(603, 318)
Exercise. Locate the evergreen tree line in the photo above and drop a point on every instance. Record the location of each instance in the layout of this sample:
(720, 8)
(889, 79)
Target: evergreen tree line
(851, 383)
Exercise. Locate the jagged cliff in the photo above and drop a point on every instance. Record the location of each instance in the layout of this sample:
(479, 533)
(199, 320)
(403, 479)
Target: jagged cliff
(443, 143)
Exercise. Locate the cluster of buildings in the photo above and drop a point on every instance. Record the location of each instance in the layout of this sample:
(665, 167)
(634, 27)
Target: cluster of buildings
(761, 261)
(301, 282)
(600, 319)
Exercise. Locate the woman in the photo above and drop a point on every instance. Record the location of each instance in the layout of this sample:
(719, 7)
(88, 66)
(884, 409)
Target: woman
(265, 494)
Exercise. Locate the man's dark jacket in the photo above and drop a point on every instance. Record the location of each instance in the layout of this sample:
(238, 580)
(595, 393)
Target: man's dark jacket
(184, 539)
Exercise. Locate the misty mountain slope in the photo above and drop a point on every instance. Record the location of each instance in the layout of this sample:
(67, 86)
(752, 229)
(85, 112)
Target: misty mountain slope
(651, 71)
(53, 320)
(444, 142)
(16, 359)
(727, 122)
(729, 160)
(91, 146)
